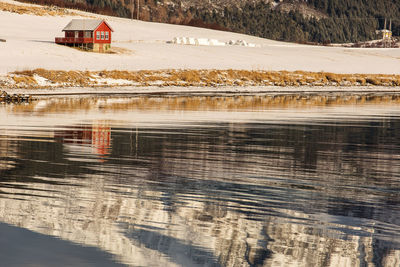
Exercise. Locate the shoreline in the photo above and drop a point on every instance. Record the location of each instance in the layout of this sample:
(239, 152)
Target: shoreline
(203, 91)
(215, 103)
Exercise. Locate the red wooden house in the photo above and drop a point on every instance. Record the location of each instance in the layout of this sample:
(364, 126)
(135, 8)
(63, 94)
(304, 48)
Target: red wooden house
(89, 34)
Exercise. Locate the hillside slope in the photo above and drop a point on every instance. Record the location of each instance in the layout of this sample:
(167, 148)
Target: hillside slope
(143, 45)
(322, 21)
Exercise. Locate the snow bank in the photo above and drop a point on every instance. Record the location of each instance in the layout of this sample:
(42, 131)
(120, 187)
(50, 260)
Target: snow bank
(241, 43)
(208, 42)
(30, 45)
(196, 41)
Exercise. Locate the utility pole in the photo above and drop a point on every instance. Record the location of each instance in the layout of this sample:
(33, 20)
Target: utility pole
(137, 10)
(390, 33)
(132, 9)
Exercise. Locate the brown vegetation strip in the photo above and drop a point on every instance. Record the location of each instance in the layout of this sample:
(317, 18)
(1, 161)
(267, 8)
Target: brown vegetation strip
(26, 79)
(35, 10)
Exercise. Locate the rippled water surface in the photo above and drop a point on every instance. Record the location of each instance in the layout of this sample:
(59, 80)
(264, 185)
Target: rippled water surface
(201, 181)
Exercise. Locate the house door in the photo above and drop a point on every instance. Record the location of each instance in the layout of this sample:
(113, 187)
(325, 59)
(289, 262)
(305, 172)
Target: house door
(101, 48)
(76, 34)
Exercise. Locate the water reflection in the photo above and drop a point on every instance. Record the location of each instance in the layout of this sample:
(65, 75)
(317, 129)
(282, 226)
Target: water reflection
(184, 187)
(20, 247)
(226, 103)
(97, 136)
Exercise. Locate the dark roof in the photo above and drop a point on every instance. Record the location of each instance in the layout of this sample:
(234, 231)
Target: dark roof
(84, 25)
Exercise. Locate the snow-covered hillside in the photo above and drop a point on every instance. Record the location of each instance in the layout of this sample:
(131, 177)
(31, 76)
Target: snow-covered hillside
(30, 45)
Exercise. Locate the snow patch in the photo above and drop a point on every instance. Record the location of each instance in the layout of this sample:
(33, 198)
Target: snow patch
(208, 42)
(110, 81)
(41, 81)
(197, 41)
(241, 43)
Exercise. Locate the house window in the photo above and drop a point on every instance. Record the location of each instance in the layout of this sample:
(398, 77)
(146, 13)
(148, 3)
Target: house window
(98, 35)
(102, 35)
(107, 36)
(88, 34)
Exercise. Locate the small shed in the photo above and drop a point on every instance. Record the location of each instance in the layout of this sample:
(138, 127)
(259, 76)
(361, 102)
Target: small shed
(384, 34)
(88, 34)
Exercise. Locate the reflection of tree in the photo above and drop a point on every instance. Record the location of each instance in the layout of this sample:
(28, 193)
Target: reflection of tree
(337, 155)
(253, 191)
(320, 148)
(205, 103)
(7, 154)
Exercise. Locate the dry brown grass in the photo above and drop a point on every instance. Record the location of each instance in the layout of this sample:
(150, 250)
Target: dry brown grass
(35, 10)
(71, 78)
(125, 75)
(205, 78)
(24, 81)
(332, 77)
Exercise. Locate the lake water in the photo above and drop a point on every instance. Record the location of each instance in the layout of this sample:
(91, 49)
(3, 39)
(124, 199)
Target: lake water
(259, 180)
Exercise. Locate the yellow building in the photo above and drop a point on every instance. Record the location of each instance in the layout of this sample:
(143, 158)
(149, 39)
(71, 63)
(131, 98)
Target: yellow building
(384, 34)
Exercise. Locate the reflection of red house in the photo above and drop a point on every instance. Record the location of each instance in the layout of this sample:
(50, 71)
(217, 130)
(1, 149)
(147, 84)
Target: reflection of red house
(88, 34)
(101, 139)
(97, 136)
